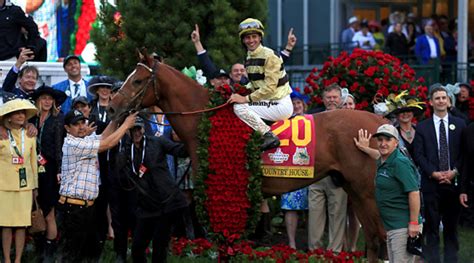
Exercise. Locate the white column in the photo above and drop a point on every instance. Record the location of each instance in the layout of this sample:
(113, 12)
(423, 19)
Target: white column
(462, 40)
(334, 25)
(305, 33)
(279, 23)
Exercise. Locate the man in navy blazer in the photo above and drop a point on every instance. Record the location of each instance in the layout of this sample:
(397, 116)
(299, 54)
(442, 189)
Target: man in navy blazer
(427, 45)
(75, 85)
(439, 182)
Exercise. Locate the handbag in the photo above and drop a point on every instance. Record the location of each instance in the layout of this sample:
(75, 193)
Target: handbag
(415, 244)
(38, 223)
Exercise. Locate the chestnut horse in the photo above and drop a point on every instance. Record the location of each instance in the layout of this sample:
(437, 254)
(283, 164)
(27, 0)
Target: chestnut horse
(155, 83)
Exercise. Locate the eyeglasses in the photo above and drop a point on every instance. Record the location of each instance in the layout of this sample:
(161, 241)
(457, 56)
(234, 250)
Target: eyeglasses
(248, 25)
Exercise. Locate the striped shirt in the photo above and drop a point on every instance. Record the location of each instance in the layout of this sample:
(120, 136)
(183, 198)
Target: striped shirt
(80, 167)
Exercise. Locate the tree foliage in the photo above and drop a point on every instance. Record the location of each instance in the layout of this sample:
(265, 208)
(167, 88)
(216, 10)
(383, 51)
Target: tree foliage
(164, 26)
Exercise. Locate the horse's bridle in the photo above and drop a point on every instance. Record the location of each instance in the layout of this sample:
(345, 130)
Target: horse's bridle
(138, 98)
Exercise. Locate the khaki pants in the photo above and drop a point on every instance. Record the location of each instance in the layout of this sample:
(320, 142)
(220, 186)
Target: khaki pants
(397, 246)
(324, 194)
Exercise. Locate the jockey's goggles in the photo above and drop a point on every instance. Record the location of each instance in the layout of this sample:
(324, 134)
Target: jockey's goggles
(251, 24)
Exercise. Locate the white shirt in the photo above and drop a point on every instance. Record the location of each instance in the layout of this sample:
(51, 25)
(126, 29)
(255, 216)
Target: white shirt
(437, 120)
(73, 93)
(361, 39)
(432, 43)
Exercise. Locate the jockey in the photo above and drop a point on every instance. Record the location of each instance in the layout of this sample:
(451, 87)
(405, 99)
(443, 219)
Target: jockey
(270, 98)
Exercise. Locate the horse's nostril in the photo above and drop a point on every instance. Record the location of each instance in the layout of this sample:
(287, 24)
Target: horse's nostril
(111, 110)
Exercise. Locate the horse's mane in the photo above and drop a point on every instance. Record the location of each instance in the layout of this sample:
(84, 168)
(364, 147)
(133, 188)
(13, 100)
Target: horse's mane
(180, 75)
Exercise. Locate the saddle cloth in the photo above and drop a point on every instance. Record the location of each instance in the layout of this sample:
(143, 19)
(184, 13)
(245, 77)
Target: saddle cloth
(294, 158)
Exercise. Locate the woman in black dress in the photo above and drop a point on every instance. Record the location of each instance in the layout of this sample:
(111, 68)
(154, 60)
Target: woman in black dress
(49, 122)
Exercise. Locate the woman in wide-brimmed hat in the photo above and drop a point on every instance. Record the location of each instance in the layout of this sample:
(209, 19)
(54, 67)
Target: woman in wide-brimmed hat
(100, 87)
(50, 125)
(404, 108)
(19, 178)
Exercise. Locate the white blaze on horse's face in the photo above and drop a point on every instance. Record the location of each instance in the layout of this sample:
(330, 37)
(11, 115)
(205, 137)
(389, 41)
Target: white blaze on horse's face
(128, 78)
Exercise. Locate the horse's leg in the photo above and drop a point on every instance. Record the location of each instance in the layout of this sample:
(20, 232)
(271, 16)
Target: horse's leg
(363, 201)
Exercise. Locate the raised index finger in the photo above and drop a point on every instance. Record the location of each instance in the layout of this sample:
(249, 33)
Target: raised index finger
(196, 27)
(290, 33)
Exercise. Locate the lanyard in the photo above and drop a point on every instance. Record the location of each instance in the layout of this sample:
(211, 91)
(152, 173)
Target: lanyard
(39, 138)
(102, 117)
(13, 143)
(133, 154)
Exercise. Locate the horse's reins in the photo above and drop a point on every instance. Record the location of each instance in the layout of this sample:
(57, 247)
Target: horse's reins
(139, 96)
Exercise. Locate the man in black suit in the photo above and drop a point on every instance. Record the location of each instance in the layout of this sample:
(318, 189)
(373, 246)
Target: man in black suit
(437, 146)
(12, 20)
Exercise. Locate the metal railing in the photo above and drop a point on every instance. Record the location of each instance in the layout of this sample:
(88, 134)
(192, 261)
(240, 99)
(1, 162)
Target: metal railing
(442, 71)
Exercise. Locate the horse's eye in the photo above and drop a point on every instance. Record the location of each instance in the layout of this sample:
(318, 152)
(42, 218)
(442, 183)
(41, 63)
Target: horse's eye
(137, 82)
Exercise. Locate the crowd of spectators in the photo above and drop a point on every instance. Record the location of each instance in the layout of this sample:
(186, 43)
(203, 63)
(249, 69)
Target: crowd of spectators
(405, 37)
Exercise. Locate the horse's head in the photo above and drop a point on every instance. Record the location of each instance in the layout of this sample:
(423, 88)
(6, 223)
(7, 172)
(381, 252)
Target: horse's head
(139, 89)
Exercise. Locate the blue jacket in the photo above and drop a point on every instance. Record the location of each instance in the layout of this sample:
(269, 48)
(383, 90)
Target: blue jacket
(426, 149)
(422, 49)
(346, 39)
(63, 86)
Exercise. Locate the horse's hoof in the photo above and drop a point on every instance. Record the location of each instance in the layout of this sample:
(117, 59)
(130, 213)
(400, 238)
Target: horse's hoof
(270, 141)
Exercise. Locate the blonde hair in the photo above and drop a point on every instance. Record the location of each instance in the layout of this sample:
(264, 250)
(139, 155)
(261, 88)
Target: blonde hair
(54, 109)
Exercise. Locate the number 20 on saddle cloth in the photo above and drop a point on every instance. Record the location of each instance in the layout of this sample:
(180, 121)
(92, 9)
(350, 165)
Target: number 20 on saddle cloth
(294, 158)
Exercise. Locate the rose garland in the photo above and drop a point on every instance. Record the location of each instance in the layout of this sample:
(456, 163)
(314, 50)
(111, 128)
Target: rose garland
(84, 17)
(228, 180)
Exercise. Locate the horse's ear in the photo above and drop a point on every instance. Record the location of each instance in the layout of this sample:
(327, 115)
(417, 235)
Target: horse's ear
(142, 54)
(157, 57)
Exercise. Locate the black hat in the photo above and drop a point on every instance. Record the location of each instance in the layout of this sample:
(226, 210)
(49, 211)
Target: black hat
(73, 116)
(465, 84)
(58, 96)
(100, 81)
(219, 73)
(66, 60)
(80, 99)
(139, 122)
(117, 85)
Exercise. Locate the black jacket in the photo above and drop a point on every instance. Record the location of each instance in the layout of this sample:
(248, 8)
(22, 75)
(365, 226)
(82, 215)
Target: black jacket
(425, 147)
(12, 19)
(158, 194)
(467, 170)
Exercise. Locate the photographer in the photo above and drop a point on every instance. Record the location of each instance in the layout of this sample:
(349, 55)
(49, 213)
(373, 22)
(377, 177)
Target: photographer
(12, 20)
(28, 76)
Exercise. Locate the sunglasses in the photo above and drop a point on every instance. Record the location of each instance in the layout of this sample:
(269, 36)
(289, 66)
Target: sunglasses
(248, 25)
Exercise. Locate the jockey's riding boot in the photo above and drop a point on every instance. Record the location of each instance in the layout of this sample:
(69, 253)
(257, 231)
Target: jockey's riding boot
(270, 141)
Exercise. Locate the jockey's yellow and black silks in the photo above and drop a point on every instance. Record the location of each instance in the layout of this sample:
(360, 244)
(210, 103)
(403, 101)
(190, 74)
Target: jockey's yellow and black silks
(267, 75)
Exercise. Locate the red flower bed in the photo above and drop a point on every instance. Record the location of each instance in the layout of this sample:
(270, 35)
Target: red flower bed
(245, 251)
(365, 74)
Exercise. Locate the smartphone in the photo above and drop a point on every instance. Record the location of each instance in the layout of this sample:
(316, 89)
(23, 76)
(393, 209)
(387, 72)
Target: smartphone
(32, 48)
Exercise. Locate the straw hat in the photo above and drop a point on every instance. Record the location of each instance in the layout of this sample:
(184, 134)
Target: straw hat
(17, 105)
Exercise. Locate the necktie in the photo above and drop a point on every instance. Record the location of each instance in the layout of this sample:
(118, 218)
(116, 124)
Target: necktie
(76, 90)
(443, 148)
